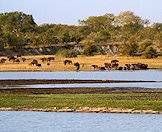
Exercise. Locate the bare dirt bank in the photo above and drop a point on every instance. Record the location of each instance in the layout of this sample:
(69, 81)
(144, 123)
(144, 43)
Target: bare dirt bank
(62, 81)
(78, 90)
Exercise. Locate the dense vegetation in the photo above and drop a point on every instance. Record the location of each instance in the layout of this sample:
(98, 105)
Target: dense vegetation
(134, 35)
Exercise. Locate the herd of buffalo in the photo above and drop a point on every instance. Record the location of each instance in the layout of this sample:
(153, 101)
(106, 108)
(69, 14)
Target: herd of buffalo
(17, 58)
(113, 65)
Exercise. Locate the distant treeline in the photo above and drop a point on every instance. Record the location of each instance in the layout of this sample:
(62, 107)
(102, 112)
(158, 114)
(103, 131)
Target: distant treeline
(135, 35)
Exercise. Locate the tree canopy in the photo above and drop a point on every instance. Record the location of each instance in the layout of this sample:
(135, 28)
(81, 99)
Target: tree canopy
(135, 35)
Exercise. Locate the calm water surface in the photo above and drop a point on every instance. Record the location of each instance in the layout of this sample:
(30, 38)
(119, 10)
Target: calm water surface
(152, 75)
(149, 75)
(78, 122)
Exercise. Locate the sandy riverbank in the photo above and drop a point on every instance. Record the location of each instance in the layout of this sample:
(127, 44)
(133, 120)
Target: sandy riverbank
(86, 110)
(85, 61)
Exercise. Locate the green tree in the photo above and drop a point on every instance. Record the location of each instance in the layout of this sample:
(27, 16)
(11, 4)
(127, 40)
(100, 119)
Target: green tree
(128, 24)
(1, 40)
(13, 41)
(129, 48)
(48, 38)
(146, 33)
(98, 23)
(18, 30)
(128, 18)
(158, 26)
(75, 35)
(144, 44)
(64, 37)
(158, 41)
(17, 22)
(90, 48)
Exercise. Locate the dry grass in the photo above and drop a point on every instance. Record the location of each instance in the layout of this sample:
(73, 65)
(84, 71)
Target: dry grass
(85, 62)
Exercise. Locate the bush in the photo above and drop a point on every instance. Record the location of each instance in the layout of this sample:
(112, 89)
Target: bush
(130, 49)
(150, 52)
(71, 53)
(91, 50)
(68, 53)
(160, 54)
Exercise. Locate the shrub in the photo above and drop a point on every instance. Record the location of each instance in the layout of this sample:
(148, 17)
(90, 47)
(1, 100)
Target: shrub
(71, 53)
(130, 49)
(150, 52)
(68, 53)
(91, 50)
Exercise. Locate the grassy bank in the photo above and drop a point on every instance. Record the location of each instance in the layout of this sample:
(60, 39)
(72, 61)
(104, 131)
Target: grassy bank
(135, 101)
(85, 62)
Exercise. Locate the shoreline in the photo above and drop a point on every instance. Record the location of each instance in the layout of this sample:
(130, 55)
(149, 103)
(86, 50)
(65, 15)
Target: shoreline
(79, 90)
(67, 70)
(86, 110)
(64, 81)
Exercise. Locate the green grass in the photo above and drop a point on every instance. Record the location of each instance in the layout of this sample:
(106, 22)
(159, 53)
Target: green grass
(137, 101)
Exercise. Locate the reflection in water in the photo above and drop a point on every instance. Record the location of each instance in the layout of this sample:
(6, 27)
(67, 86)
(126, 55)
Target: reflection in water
(78, 122)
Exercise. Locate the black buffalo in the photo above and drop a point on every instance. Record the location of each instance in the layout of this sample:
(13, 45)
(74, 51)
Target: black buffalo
(77, 65)
(95, 66)
(67, 62)
(34, 62)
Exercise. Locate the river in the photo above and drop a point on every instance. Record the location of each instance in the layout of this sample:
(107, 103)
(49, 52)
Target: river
(147, 75)
(78, 122)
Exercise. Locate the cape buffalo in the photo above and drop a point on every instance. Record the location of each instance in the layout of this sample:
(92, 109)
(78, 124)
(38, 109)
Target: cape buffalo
(2, 60)
(95, 66)
(77, 65)
(38, 65)
(114, 61)
(67, 62)
(102, 68)
(11, 58)
(23, 59)
(107, 65)
(34, 62)
(51, 59)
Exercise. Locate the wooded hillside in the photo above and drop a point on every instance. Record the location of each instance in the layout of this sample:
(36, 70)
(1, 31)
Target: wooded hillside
(134, 35)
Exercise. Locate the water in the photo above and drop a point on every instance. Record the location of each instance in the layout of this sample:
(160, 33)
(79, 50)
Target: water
(78, 122)
(148, 75)
(89, 85)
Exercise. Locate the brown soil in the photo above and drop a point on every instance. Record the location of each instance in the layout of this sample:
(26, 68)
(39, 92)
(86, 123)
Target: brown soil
(62, 81)
(79, 90)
